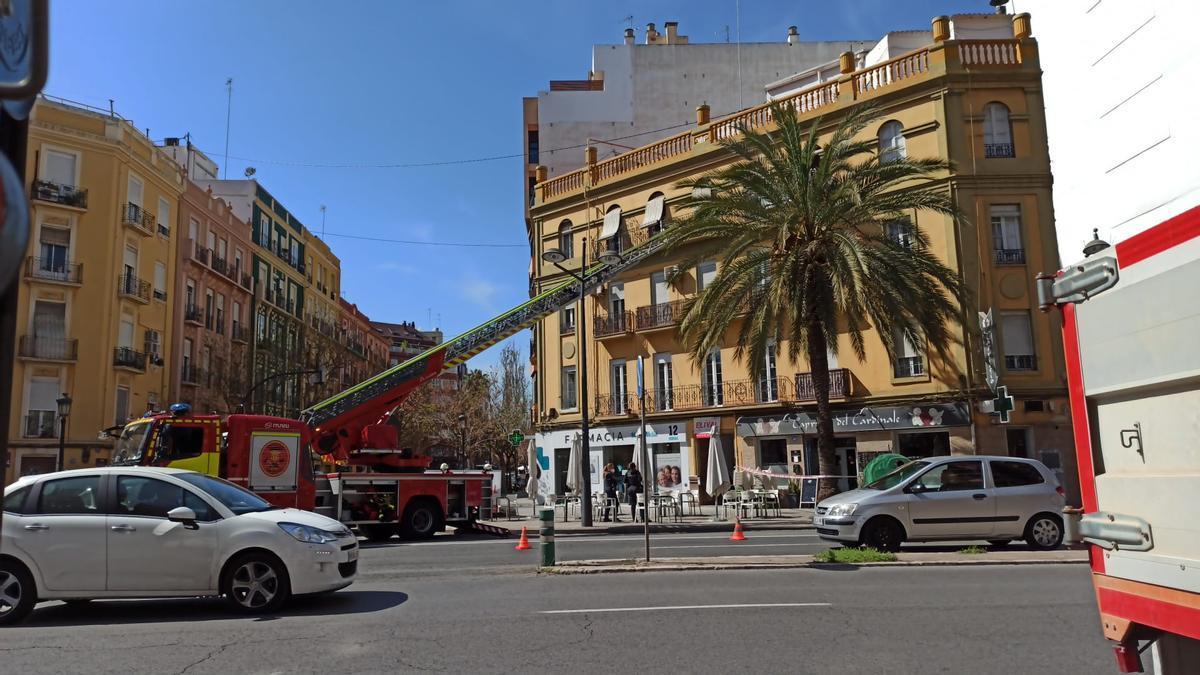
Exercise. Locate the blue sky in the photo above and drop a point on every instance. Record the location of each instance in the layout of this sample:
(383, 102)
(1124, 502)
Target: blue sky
(368, 83)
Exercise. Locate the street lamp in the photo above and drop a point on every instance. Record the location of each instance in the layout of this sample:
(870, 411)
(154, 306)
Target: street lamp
(462, 440)
(64, 411)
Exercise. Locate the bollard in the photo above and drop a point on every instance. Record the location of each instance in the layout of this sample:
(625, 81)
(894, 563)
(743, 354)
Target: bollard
(1071, 517)
(546, 537)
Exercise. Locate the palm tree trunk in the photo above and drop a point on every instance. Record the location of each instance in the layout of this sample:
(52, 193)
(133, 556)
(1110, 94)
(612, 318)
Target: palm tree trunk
(818, 361)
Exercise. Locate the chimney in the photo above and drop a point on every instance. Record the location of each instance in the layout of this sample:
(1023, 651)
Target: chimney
(793, 35)
(672, 32)
(651, 34)
(629, 38)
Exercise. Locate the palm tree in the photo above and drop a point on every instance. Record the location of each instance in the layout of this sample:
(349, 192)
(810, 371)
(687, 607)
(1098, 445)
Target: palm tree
(800, 232)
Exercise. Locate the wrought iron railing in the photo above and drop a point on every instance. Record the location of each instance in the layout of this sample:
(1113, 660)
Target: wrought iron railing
(125, 357)
(189, 374)
(1021, 362)
(67, 195)
(613, 324)
(138, 218)
(661, 315)
(54, 269)
(998, 150)
(1010, 256)
(132, 287)
(839, 385)
(239, 333)
(191, 313)
(51, 349)
(40, 424)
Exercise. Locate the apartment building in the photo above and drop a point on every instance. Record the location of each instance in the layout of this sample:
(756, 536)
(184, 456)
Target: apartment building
(968, 91)
(94, 302)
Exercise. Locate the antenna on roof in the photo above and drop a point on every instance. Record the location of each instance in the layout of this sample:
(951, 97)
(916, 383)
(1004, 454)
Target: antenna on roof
(630, 20)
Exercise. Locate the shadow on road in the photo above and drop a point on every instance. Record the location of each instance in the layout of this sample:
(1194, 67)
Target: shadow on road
(207, 609)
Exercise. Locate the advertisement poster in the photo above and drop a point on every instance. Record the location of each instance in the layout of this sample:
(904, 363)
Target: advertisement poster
(670, 475)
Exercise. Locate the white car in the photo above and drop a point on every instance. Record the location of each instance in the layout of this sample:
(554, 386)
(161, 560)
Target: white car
(994, 498)
(141, 532)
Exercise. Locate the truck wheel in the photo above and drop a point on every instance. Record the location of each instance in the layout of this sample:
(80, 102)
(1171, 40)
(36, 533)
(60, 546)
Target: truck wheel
(1044, 532)
(256, 583)
(377, 533)
(883, 534)
(422, 520)
(17, 592)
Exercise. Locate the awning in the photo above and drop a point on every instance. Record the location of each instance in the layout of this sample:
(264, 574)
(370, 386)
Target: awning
(654, 211)
(612, 223)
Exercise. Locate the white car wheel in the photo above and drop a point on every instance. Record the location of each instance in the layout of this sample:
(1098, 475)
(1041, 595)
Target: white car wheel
(17, 593)
(1044, 532)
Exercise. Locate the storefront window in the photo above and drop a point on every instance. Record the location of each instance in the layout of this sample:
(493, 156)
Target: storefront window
(931, 444)
(772, 455)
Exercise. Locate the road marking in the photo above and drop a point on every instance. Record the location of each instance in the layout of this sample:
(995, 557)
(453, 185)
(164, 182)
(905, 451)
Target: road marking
(674, 607)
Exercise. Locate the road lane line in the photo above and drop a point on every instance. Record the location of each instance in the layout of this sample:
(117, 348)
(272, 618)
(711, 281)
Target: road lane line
(675, 607)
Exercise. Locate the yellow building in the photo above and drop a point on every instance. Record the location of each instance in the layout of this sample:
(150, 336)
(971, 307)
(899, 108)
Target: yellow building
(94, 319)
(974, 102)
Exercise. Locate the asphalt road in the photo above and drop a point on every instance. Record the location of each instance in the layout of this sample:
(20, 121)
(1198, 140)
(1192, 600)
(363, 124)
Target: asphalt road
(419, 608)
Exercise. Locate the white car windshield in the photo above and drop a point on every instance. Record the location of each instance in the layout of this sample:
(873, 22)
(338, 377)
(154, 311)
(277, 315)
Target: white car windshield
(235, 498)
(897, 477)
(131, 444)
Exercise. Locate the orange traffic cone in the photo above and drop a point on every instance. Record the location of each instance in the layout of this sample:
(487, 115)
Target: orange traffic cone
(523, 544)
(737, 531)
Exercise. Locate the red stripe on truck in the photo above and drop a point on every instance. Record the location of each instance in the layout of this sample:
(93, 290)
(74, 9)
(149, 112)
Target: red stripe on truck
(1167, 234)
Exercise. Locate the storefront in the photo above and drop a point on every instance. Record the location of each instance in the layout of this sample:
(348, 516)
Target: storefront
(670, 455)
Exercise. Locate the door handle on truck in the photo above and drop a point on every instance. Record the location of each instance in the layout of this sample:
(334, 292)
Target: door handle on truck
(37, 526)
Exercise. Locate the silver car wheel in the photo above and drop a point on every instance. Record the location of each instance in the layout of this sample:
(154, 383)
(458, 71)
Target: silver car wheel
(10, 592)
(254, 584)
(1045, 532)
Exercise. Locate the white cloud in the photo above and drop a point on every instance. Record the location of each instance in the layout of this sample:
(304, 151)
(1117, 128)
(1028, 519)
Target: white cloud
(479, 291)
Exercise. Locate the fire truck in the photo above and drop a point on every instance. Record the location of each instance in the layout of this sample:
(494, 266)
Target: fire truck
(379, 489)
(1131, 334)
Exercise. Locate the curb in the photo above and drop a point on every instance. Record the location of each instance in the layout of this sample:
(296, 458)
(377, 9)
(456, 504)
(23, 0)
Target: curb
(569, 569)
(703, 528)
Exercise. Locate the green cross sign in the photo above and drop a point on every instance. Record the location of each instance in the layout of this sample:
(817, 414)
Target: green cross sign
(1003, 404)
(516, 437)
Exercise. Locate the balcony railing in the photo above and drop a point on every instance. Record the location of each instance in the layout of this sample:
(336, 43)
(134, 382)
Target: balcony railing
(49, 269)
(1021, 362)
(1010, 256)
(565, 328)
(662, 315)
(220, 265)
(998, 150)
(247, 282)
(614, 324)
(40, 424)
(138, 218)
(201, 254)
(609, 405)
(67, 195)
(190, 374)
(49, 349)
(239, 333)
(839, 385)
(908, 366)
(191, 314)
(125, 357)
(129, 286)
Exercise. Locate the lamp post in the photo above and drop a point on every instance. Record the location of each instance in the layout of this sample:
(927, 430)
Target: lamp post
(555, 257)
(462, 441)
(64, 411)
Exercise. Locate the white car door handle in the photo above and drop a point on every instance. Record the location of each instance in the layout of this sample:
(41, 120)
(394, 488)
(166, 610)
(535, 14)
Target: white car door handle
(37, 526)
(123, 528)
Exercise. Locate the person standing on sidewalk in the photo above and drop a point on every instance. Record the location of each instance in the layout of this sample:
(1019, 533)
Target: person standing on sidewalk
(633, 485)
(612, 504)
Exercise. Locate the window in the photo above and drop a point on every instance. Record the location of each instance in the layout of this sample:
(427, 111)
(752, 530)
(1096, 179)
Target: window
(164, 216)
(566, 320)
(566, 242)
(619, 381)
(125, 334)
(659, 294)
(208, 308)
(236, 499)
(616, 300)
(49, 322)
(235, 314)
(210, 240)
(713, 392)
(569, 402)
(533, 146)
(42, 408)
(220, 314)
(78, 495)
(900, 232)
(932, 444)
(180, 442)
(14, 502)
(1014, 474)
(160, 280)
(1006, 234)
(891, 142)
(189, 295)
(222, 247)
(663, 398)
(121, 408)
(1017, 334)
(656, 216)
(237, 264)
(152, 498)
(997, 131)
(909, 362)
(611, 231)
(265, 231)
(187, 354)
(58, 167)
(772, 453)
(768, 385)
(706, 273)
(134, 190)
(953, 476)
(54, 245)
(193, 233)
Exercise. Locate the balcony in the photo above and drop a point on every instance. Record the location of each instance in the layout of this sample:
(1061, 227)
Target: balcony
(129, 286)
(199, 253)
(664, 315)
(998, 150)
(908, 366)
(57, 271)
(1010, 256)
(192, 315)
(40, 424)
(839, 385)
(139, 219)
(615, 324)
(189, 374)
(614, 405)
(48, 349)
(55, 193)
(126, 357)
(220, 265)
(1020, 362)
(248, 282)
(239, 333)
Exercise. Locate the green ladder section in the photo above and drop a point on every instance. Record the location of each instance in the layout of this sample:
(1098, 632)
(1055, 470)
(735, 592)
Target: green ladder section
(476, 340)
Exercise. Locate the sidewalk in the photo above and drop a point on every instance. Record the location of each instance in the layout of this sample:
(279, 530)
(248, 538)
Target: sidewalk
(791, 519)
(799, 561)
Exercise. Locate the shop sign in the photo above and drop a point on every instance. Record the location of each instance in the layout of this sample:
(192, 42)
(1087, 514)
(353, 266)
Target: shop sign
(659, 432)
(706, 427)
(870, 418)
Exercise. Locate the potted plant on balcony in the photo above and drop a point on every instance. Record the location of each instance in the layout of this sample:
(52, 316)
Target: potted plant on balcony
(793, 494)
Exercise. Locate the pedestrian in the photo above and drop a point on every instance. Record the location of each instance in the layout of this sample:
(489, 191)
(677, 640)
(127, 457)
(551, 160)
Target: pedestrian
(611, 503)
(633, 485)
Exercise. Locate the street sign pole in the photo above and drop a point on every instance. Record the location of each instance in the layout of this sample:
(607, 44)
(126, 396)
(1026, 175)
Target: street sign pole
(641, 393)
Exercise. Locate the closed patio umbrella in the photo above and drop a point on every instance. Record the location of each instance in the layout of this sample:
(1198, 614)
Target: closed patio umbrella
(575, 466)
(717, 481)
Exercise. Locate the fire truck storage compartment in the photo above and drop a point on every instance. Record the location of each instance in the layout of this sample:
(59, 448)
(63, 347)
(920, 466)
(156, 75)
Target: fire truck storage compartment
(368, 501)
(456, 500)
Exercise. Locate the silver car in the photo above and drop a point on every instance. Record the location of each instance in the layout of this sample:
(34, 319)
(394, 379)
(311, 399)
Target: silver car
(993, 498)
